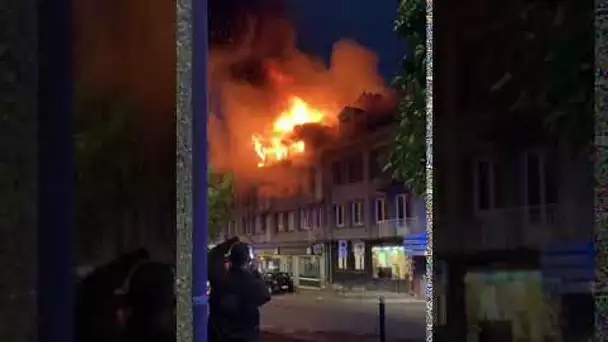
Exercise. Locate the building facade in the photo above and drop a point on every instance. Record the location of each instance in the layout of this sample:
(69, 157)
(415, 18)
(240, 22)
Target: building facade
(513, 207)
(345, 225)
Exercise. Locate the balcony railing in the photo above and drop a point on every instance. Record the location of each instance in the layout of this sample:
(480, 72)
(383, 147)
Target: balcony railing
(399, 227)
(519, 227)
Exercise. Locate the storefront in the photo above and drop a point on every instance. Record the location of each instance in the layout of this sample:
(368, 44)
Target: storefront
(304, 263)
(392, 269)
(510, 306)
(414, 246)
(268, 259)
(309, 271)
(390, 262)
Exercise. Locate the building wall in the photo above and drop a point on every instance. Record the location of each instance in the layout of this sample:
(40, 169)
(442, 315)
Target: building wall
(18, 172)
(324, 195)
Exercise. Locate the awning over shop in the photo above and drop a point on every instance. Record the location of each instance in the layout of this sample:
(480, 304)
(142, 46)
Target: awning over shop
(415, 244)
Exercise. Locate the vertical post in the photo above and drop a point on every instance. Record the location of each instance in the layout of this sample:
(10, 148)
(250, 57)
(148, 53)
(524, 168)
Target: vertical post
(55, 172)
(382, 319)
(200, 52)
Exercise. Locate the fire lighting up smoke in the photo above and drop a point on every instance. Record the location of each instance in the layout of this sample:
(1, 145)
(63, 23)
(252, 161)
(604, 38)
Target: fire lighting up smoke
(279, 144)
(270, 93)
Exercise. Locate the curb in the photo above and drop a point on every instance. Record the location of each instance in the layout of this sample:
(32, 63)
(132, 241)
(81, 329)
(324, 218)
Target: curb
(391, 298)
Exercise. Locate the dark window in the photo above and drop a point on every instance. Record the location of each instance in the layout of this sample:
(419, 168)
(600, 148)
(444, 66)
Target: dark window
(337, 171)
(551, 179)
(312, 175)
(380, 209)
(401, 204)
(484, 187)
(356, 213)
(339, 215)
(533, 179)
(500, 182)
(377, 162)
(354, 168)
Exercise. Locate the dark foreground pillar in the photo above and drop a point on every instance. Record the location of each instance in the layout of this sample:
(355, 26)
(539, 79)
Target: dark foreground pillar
(200, 106)
(191, 131)
(18, 146)
(55, 171)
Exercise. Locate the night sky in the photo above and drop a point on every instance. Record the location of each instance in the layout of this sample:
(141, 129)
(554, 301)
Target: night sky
(321, 22)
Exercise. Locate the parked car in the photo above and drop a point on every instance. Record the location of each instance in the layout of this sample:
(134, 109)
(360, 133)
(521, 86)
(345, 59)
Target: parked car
(278, 282)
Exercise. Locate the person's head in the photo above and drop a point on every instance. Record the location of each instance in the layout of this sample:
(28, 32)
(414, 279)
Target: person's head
(239, 255)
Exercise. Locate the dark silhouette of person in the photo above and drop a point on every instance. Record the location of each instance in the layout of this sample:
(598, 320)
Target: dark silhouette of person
(150, 299)
(235, 300)
(130, 299)
(98, 306)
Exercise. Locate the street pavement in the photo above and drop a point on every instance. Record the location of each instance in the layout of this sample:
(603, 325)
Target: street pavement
(318, 316)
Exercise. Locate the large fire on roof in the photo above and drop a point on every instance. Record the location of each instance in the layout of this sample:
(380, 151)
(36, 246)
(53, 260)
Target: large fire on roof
(281, 96)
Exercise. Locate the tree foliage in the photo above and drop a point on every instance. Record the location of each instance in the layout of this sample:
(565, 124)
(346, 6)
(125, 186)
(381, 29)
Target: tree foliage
(407, 160)
(107, 165)
(110, 171)
(544, 72)
(220, 200)
(530, 61)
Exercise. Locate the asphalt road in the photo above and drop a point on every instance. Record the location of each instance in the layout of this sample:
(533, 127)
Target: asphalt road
(310, 317)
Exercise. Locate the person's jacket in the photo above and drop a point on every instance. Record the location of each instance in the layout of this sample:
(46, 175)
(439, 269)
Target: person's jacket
(234, 306)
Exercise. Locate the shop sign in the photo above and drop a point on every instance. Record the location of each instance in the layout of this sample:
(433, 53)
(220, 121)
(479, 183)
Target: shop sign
(293, 251)
(317, 249)
(342, 248)
(359, 248)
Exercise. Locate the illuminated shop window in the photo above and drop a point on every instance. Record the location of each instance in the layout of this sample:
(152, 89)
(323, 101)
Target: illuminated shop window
(390, 262)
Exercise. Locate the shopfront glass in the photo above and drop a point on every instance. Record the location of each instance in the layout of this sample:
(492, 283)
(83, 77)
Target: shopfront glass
(310, 267)
(390, 262)
(287, 265)
(510, 306)
(269, 263)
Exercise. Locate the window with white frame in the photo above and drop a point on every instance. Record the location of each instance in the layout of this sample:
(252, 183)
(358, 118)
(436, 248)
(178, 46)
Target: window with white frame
(291, 221)
(304, 219)
(339, 215)
(380, 209)
(269, 223)
(541, 183)
(541, 178)
(356, 213)
(233, 228)
(259, 228)
(281, 222)
(248, 226)
(317, 217)
(312, 218)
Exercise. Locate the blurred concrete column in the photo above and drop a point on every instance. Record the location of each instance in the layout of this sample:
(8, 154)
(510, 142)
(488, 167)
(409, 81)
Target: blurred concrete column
(18, 129)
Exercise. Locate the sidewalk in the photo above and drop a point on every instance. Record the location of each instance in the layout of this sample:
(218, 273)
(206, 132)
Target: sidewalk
(389, 297)
(323, 337)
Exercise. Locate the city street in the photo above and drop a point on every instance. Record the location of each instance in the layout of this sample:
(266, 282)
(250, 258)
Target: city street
(321, 317)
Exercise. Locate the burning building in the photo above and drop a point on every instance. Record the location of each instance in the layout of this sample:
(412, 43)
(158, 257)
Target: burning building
(304, 140)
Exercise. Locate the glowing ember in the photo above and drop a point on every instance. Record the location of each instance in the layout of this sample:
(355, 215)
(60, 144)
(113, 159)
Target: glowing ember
(279, 144)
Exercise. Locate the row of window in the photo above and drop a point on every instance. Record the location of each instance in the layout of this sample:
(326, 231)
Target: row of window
(351, 169)
(304, 219)
(311, 218)
(356, 211)
(539, 185)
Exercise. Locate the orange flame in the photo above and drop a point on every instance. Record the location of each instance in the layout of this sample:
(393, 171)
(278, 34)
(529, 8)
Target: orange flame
(279, 144)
